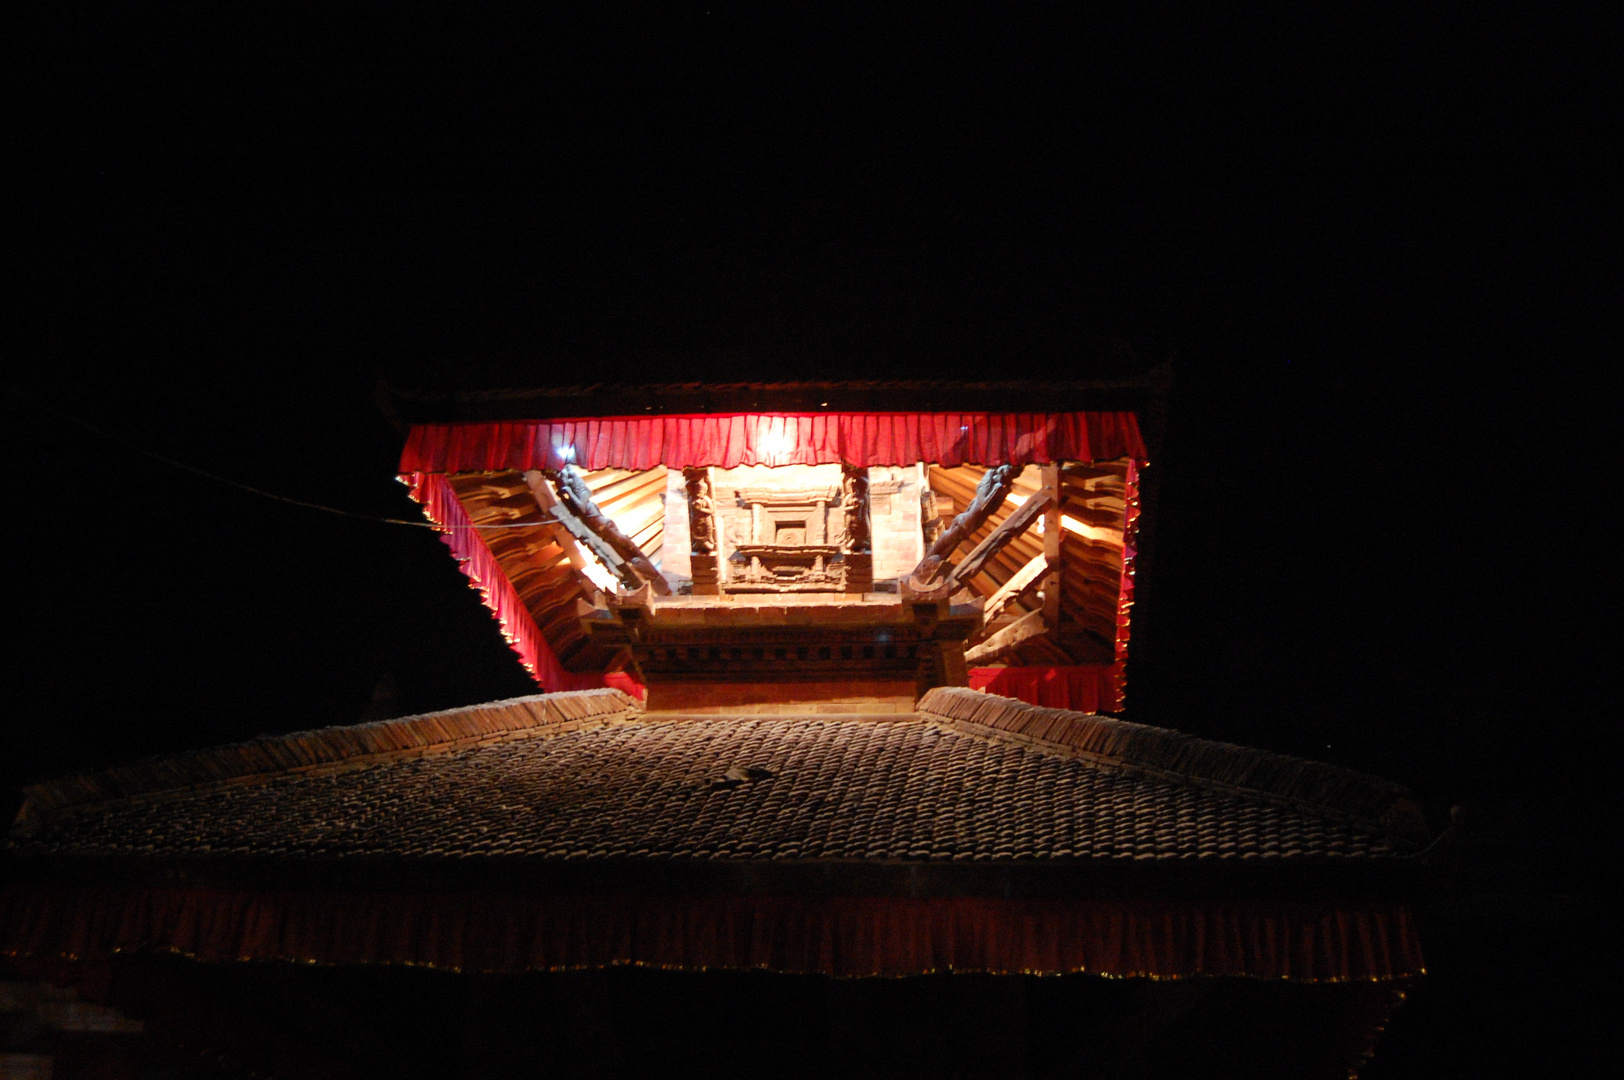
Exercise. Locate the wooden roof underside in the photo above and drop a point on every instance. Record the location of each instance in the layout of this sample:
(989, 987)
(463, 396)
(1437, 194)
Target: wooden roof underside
(538, 561)
(1092, 496)
(544, 566)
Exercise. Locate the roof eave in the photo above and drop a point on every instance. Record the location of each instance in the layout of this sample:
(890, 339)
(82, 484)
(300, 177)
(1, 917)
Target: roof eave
(1134, 393)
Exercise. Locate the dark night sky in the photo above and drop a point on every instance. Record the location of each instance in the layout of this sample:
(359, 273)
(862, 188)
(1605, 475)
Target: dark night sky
(1371, 237)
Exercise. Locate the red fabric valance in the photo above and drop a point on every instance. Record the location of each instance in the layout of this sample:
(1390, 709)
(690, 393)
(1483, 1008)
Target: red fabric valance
(1089, 688)
(862, 439)
(474, 559)
(1304, 941)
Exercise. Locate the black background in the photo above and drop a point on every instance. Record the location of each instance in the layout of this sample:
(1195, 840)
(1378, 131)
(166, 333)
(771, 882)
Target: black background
(1372, 238)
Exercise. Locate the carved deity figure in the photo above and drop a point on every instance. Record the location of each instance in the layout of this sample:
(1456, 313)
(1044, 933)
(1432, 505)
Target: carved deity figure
(990, 492)
(854, 502)
(701, 511)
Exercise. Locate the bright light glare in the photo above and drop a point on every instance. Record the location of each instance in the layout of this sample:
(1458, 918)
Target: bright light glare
(1091, 532)
(775, 444)
(597, 573)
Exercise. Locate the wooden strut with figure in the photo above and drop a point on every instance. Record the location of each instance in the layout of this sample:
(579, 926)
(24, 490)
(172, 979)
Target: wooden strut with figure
(928, 579)
(631, 565)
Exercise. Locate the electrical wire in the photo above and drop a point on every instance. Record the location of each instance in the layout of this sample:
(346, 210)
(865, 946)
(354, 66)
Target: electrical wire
(29, 399)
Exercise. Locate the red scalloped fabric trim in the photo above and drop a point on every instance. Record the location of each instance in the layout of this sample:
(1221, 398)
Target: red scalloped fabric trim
(861, 439)
(847, 936)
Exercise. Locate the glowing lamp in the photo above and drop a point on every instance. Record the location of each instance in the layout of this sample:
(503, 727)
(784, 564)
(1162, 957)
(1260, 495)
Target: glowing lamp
(774, 445)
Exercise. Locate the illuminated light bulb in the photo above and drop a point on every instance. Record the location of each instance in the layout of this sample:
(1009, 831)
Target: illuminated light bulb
(775, 444)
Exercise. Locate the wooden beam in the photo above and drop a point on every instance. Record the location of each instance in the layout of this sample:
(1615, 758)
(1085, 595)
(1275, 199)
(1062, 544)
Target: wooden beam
(1013, 589)
(1007, 530)
(574, 496)
(1023, 629)
(990, 493)
(1053, 537)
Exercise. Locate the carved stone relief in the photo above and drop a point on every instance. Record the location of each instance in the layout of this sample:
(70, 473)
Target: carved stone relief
(787, 530)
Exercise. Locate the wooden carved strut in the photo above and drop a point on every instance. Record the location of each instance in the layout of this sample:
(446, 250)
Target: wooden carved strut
(577, 499)
(989, 496)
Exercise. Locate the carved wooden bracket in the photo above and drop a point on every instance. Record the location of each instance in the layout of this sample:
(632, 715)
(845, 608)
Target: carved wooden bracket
(1007, 530)
(631, 565)
(989, 496)
(580, 544)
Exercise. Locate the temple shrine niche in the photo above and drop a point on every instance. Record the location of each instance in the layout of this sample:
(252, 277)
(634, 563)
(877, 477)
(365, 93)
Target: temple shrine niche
(793, 529)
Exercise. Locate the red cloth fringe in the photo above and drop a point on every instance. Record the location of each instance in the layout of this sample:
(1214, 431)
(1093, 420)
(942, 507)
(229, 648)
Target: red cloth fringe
(848, 936)
(861, 439)
(1130, 549)
(1088, 688)
(441, 506)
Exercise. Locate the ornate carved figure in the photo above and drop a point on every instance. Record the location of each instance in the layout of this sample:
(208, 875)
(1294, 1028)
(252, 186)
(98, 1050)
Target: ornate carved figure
(854, 504)
(701, 511)
(989, 496)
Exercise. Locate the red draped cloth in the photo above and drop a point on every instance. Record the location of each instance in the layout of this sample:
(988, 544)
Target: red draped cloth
(474, 558)
(831, 935)
(861, 439)
(1088, 688)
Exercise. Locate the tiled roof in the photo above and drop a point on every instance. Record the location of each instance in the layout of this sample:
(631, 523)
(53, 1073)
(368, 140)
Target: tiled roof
(910, 787)
(335, 747)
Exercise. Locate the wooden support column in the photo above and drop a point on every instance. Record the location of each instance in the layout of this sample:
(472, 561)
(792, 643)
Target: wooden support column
(1053, 533)
(702, 530)
(858, 549)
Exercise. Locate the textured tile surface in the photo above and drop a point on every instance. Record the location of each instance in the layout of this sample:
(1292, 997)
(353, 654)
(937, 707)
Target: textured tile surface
(723, 788)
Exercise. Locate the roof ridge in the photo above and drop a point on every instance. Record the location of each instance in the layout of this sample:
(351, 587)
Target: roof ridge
(1274, 776)
(1147, 377)
(303, 750)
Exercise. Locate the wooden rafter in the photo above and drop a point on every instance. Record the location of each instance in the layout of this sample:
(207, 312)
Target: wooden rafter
(1028, 626)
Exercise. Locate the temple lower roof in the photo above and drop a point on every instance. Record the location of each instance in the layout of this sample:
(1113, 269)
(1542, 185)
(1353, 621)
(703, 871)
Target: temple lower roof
(969, 778)
(975, 833)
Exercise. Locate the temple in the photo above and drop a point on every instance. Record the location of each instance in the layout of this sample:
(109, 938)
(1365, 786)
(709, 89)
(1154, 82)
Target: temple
(825, 766)
(774, 561)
